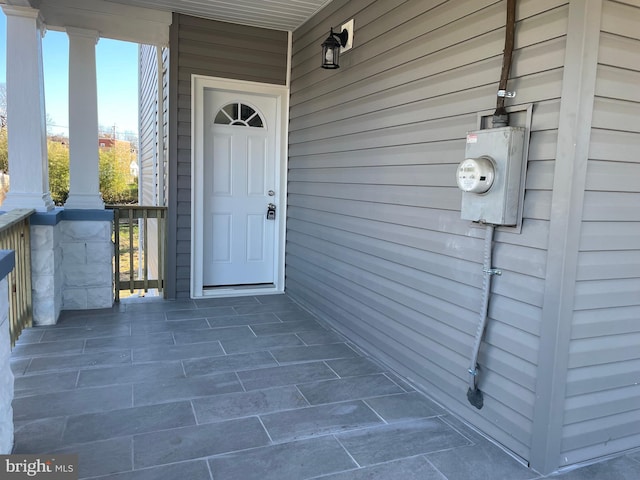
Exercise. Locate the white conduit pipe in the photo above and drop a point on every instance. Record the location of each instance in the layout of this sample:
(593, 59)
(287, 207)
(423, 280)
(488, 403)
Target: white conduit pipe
(473, 394)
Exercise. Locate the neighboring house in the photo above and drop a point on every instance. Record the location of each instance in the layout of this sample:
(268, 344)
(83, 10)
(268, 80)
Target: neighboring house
(104, 142)
(59, 139)
(153, 138)
(361, 162)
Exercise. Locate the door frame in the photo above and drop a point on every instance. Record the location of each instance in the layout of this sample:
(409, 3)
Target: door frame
(281, 92)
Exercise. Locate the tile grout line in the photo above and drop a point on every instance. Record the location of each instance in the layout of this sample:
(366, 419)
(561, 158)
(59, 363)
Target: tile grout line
(265, 429)
(193, 410)
(274, 358)
(443, 418)
(240, 381)
(332, 370)
(206, 461)
(133, 453)
(364, 400)
(24, 372)
(252, 331)
(385, 373)
(347, 451)
(434, 467)
(303, 396)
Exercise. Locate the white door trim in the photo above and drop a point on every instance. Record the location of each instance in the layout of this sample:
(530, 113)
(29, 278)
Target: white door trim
(198, 85)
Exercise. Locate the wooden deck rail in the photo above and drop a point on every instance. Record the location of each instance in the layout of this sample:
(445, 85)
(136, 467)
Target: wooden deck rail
(144, 259)
(15, 235)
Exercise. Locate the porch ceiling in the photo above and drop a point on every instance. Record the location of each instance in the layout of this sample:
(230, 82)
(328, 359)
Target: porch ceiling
(275, 14)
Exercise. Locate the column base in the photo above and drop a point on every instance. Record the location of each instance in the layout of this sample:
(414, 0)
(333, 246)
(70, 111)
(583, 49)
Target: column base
(84, 201)
(46, 274)
(87, 250)
(42, 202)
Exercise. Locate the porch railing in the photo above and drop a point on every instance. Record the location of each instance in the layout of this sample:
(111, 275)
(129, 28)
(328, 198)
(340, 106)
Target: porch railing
(15, 235)
(139, 235)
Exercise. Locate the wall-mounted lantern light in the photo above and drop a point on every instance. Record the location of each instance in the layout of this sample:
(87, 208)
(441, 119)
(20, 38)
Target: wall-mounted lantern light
(331, 48)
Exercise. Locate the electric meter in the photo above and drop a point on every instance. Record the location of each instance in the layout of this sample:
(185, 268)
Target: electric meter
(476, 175)
(491, 176)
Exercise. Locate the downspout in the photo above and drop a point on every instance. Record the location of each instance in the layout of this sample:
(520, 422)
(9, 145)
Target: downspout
(500, 119)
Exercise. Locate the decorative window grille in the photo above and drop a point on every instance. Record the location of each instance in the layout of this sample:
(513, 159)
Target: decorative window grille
(239, 114)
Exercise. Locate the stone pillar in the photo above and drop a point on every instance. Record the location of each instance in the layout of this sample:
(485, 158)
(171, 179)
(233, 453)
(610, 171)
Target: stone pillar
(6, 375)
(28, 163)
(87, 251)
(46, 273)
(84, 186)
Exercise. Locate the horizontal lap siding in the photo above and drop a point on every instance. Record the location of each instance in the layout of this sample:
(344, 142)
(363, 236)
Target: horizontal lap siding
(215, 49)
(148, 181)
(602, 413)
(165, 122)
(153, 138)
(148, 111)
(375, 242)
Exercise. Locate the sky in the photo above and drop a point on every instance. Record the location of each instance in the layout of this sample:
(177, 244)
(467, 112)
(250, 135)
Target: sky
(117, 71)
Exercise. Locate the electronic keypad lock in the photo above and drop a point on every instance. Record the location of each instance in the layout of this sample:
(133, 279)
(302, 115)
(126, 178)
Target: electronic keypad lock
(271, 212)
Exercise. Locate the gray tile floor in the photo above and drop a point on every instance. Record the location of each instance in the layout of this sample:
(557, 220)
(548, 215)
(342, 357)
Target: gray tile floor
(238, 389)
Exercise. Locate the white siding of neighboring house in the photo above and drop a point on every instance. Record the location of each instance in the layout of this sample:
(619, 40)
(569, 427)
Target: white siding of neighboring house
(148, 118)
(602, 412)
(153, 142)
(375, 244)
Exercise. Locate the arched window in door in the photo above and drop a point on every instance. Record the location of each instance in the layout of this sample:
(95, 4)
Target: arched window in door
(239, 114)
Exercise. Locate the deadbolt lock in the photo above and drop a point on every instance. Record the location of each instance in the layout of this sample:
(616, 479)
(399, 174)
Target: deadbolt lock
(271, 211)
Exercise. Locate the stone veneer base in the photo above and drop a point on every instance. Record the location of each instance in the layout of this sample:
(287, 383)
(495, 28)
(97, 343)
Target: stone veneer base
(6, 375)
(72, 254)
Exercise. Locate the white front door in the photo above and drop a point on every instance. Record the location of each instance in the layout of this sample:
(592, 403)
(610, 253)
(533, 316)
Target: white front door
(240, 135)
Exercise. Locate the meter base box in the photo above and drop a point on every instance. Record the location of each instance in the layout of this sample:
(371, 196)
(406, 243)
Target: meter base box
(499, 205)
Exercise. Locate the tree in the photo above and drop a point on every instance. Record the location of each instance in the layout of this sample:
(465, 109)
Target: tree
(3, 105)
(58, 171)
(117, 185)
(4, 152)
(116, 182)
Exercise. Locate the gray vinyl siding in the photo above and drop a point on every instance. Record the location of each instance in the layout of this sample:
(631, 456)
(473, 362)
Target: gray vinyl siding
(216, 49)
(602, 411)
(375, 244)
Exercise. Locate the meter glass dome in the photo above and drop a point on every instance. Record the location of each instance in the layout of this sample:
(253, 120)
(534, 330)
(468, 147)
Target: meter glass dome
(475, 175)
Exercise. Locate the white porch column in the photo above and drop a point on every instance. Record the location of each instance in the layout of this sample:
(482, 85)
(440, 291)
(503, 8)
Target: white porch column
(84, 186)
(28, 163)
